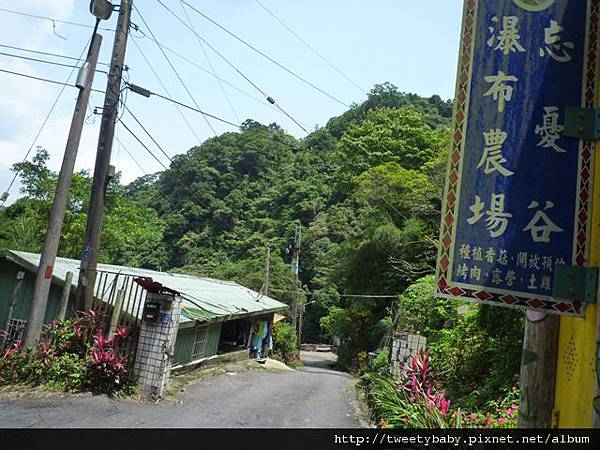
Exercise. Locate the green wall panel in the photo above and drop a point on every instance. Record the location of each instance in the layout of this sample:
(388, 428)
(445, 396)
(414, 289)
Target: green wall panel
(186, 337)
(8, 275)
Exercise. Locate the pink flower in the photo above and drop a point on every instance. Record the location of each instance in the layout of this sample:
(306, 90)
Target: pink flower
(121, 332)
(473, 417)
(490, 420)
(99, 339)
(501, 421)
(509, 411)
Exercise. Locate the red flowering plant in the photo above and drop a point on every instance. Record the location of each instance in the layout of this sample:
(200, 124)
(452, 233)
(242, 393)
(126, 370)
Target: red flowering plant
(13, 363)
(72, 354)
(107, 364)
(412, 401)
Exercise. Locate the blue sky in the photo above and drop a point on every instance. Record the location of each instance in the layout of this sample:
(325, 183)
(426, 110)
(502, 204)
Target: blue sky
(414, 45)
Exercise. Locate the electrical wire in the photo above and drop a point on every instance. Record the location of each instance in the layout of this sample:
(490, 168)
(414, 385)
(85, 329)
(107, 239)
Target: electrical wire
(212, 67)
(151, 67)
(197, 110)
(175, 71)
(142, 144)
(39, 52)
(45, 121)
(233, 86)
(130, 155)
(26, 58)
(195, 64)
(269, 98)
(329, 63)
(47, 80)
(50, 19)
(264, 55)
(146, 131)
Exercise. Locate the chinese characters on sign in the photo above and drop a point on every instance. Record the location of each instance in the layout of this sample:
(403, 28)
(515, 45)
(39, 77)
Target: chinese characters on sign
(517, 202)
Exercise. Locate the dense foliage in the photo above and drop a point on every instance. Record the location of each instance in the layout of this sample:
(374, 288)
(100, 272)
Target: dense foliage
(415, 400)
(132, 234)
(72, 355)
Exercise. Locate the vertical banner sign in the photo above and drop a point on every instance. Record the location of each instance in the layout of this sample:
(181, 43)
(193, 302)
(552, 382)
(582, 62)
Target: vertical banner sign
(518, 193)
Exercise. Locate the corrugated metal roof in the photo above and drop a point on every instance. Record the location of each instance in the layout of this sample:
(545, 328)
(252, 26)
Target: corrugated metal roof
(202, 298)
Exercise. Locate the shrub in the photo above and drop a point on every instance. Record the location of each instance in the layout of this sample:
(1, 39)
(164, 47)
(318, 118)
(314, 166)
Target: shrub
(106, 368)
(415, 401)
(285, 342)
(71, 355)
(13, 364)
(381, 361)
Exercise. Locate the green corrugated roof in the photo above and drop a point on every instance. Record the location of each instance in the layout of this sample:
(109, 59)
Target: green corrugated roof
(202, 298)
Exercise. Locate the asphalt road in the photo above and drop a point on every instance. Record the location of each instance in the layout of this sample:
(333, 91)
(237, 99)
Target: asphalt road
(314, 396)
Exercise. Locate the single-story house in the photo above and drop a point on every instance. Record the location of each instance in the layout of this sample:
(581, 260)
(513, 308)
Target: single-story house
(216, 316)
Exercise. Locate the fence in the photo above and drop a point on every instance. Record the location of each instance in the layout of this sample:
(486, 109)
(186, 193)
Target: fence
(119, 301)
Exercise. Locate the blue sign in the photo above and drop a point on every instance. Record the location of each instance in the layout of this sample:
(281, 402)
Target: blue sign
(517, 199)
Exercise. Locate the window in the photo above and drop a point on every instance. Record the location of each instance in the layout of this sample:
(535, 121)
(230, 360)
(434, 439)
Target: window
(16, 329)
(200, 343)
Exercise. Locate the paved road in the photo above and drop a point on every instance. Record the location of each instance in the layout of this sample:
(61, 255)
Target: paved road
(314, 396)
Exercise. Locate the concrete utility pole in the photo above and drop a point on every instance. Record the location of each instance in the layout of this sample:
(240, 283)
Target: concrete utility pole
(538, 370)
(295, 271)
(267, 266)
(57, 213)
(89, 257)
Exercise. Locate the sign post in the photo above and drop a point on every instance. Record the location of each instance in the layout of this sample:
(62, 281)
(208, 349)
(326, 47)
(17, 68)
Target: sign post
(516, 223)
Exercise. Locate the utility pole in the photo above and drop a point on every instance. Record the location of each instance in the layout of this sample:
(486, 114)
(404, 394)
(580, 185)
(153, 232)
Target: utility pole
(267, 266)
(538, 370)
(295, 270)
(57, 213)
(89, 257)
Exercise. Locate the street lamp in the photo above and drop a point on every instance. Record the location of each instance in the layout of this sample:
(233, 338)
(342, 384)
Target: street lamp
(102, 9)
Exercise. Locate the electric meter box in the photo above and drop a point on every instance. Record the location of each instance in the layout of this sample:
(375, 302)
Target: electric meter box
(156, 307)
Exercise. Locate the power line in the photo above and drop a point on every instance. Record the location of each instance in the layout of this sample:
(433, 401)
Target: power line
(130, 155)
(47, 80)
(193, 63)
(264, 55)
(39, 52)
(27, 58)
(151, 67)
(142, 144)
(175, 71)
(215, 50)
(212, 67)
(146, 131)
(384, 296)
(50, 19)
(197, 110)
(269, 98)
(330, 64)
(45, 121)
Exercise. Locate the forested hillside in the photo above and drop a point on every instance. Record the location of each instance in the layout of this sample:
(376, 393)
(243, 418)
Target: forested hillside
(365, 189)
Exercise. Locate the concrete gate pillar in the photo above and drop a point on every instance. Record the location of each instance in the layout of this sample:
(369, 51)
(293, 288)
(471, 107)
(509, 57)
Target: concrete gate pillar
(156, 344)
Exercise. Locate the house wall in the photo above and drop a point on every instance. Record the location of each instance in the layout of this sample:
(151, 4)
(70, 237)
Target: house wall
(8, 275)
(186, 337)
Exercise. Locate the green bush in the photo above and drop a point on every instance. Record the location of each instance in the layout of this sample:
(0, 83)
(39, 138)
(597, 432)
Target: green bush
(381, 360)
(478, 360)
(285, 342)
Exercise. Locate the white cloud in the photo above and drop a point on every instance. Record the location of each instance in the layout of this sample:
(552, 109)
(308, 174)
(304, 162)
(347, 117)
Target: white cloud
(24, 103)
